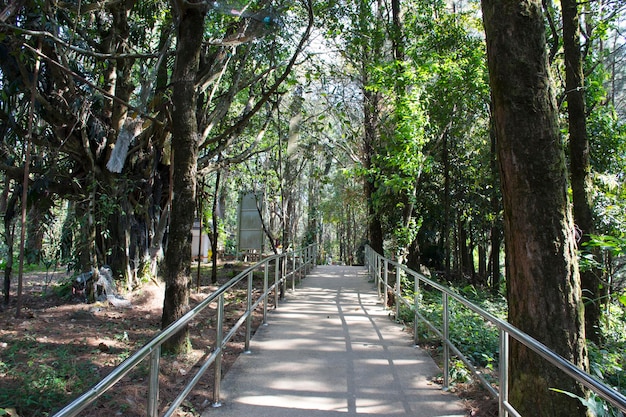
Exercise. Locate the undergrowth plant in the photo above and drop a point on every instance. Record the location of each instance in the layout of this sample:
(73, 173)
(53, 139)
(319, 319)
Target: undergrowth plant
(37, 376)
(475, 337)
(478, 339)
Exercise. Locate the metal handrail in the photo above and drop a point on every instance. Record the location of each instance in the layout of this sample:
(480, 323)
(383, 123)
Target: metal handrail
(302, 261)
(378, 268)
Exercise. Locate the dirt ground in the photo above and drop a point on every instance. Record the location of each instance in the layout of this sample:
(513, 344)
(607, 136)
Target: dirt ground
(97, 337)
(91, 339)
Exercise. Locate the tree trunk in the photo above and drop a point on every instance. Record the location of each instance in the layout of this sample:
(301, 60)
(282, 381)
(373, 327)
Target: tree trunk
(9, 230)
(185, 149)
(445, 226)
(465, 269)
(413, 259)
(370, 50)
(215, 227)
(580, 166)
(482, 265)
(542, 272)
(10, 206)
(67, 233)
(496, 227)
(162, 220)
(83, 247)
(35, 232)
(375, 230)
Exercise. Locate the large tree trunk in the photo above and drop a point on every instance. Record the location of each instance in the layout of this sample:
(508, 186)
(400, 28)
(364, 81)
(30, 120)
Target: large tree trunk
(185, 150)
(542, 272)
(580, 165)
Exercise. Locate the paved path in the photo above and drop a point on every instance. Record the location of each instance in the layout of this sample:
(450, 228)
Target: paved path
(331, 350)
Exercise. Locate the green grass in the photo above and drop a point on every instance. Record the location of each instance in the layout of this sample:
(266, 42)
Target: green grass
(38, 376)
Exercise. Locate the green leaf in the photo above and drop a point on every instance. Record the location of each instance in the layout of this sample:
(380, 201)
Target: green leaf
(592, 405)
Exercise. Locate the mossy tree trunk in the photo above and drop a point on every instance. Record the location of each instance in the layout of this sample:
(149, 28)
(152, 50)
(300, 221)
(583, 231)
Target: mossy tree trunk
(543, 282)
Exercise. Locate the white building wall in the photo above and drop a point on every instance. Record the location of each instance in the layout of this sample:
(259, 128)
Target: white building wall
(204, 245)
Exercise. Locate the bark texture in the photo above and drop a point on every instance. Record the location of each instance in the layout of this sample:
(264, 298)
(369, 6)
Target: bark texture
(543, 282)
(185, 150)
(580, 165)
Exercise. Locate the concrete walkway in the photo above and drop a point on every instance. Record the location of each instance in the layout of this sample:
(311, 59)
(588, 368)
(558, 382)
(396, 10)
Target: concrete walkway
(331, 350)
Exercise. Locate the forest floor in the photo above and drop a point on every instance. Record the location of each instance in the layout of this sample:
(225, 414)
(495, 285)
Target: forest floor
(60, 347)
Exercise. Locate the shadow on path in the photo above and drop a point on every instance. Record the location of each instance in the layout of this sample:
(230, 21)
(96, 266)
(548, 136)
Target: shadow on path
(331, 350)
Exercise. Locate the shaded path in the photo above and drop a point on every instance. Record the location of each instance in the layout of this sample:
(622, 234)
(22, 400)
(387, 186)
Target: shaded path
(331, 350)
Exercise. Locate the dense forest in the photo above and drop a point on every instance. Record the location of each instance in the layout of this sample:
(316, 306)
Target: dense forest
(485, 143)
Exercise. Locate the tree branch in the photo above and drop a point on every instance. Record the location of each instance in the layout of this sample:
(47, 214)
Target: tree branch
(44, 34)
(95, 87)
(238, 127)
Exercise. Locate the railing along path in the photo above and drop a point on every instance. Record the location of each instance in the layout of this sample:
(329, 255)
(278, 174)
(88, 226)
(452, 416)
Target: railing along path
(287, 266)
(379, 268)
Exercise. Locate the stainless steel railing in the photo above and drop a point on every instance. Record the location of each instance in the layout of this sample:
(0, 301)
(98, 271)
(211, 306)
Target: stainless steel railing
(379, 268)
(301, 262)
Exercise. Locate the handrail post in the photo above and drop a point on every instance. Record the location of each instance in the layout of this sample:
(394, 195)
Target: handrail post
(249, 310)
(276, 272)
(398, 292)
(153, 384)
(503, 396)
(293, 269)
(416, 290)
(265, 298)
(379, 274)
(283, 277)
(446, 336)
(368, 256)
(378, 278)
(385, 292)
(303, 260)
(219, 336)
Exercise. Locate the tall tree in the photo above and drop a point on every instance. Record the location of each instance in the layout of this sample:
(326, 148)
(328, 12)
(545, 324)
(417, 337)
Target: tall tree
(370, 49)
(543, 282)
(185, 149)
(580, 165)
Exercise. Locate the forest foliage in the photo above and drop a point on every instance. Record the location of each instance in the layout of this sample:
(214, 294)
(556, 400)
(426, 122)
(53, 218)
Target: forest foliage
(359, 122)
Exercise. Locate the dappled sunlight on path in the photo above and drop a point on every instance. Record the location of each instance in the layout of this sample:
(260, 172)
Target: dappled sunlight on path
(331, 349)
